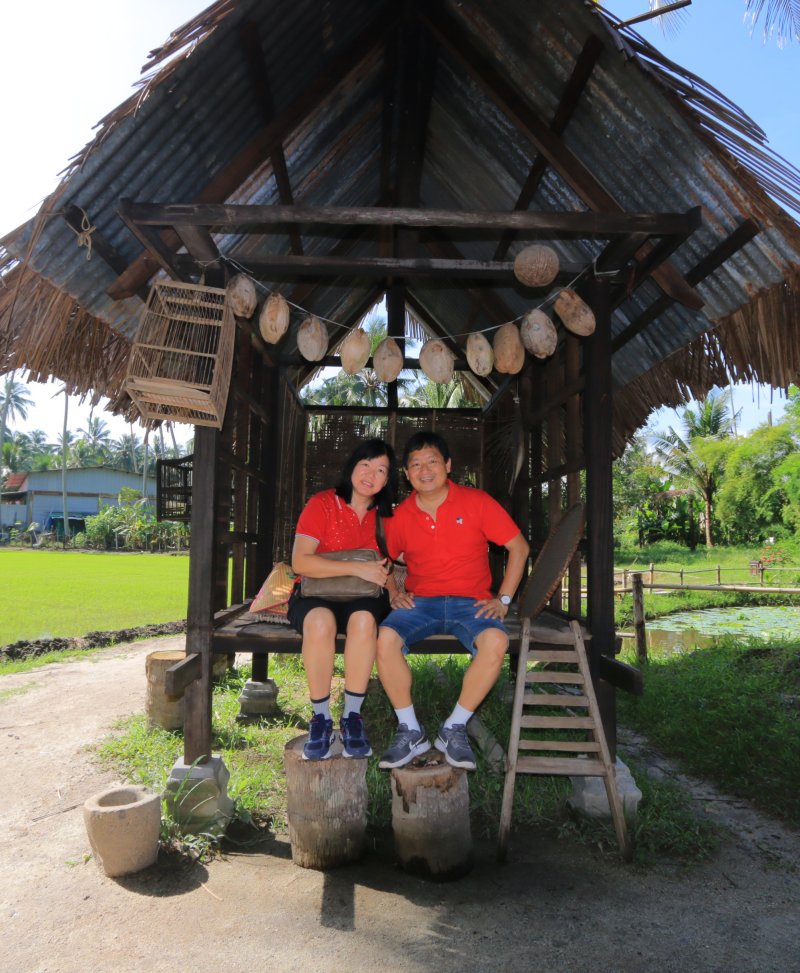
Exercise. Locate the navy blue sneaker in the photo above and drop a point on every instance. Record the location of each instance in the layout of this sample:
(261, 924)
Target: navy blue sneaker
(320, 738)
(406, 745)
(453, 743)
(354, 737)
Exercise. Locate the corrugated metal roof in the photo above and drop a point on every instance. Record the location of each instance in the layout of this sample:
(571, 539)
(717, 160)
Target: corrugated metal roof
(640, 127)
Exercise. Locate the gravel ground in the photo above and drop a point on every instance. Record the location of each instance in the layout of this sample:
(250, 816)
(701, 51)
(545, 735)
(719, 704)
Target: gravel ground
(554, 907)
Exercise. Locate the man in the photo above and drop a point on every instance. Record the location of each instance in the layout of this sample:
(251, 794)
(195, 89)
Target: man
(442, 531)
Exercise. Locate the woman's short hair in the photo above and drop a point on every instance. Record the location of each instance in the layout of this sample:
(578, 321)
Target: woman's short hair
(422, 439)
(370, 449)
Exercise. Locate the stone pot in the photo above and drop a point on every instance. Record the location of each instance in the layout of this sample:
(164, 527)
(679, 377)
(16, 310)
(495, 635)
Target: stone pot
(123, 823)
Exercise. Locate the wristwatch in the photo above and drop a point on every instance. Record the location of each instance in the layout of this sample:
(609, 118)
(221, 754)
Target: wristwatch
(505, 600)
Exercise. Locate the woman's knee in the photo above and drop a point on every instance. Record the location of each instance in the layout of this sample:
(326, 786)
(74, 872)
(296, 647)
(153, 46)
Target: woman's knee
(362, 625)
(319, 624)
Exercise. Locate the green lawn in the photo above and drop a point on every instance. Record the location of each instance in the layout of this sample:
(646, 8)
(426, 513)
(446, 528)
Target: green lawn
(70, 593)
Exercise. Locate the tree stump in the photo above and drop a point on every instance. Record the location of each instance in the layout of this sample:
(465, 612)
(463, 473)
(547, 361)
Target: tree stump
(430, 818)
(162, 710)
(326, 803)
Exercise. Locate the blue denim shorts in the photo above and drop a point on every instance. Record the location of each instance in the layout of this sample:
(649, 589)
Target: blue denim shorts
(440, 615)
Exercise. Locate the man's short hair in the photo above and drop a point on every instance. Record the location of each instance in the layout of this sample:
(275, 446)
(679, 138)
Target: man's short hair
(422, 439)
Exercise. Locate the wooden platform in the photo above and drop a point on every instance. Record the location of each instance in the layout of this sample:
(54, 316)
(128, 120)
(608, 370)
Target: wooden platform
(236, 630)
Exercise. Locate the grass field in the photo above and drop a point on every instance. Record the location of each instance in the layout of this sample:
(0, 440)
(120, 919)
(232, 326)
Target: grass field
(71, 593)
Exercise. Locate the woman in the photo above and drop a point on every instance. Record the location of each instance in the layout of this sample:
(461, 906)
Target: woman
(340, 519)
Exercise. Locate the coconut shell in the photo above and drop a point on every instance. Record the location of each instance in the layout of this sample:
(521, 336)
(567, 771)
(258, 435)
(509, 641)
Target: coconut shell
(576, 314)
(240, 293)
(536, 266)
(312, 339)
(480, 356)
(355, 350)
(509, 352)
(387, 360)
(274, 319)
(436, 360)
(539, 335)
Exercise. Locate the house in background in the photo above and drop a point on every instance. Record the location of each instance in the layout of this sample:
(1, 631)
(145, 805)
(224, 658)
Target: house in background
(36, 496)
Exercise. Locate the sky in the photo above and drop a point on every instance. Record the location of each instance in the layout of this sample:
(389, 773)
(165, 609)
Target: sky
(64, 66)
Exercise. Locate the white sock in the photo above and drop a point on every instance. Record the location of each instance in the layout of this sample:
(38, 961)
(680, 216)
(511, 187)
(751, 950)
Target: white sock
(407, 715)
(458, 716)
(352, 702)
(322, 706)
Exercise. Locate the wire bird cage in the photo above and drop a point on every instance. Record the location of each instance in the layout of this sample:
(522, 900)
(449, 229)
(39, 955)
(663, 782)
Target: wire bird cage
(181, 360)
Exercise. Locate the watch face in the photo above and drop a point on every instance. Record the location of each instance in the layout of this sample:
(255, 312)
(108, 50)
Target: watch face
(505, 599)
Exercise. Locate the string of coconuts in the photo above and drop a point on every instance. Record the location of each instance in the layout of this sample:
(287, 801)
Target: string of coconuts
(535, 266)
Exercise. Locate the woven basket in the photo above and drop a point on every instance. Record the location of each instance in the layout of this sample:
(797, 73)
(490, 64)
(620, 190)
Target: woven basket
(180, 363)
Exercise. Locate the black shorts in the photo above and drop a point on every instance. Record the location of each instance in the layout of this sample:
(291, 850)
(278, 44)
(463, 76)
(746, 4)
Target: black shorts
(299, 607)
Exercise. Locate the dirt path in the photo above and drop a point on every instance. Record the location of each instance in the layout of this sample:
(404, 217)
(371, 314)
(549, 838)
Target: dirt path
(555, 907)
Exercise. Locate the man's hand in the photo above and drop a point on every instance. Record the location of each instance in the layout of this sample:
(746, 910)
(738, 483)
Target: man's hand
(491, 608)
(403, 599)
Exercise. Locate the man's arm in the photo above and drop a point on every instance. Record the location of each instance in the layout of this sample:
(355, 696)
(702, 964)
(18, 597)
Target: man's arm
(518, 549)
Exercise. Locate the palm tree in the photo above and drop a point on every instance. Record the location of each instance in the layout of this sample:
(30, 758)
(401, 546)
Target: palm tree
(696, 457)
(15, 400)
(433, 395)
(781, 17)
(97, 438)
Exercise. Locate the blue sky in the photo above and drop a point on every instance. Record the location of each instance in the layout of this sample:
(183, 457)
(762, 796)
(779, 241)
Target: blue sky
(60, 79)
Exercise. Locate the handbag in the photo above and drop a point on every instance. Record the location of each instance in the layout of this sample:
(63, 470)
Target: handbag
(346, 587)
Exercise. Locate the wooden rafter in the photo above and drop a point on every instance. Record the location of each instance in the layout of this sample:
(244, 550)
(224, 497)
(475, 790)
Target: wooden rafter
(262, 90)
(459, 45)
(231, 177)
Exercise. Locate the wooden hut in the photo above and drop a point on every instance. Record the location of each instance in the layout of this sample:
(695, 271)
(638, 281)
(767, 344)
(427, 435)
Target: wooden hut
(336, 153)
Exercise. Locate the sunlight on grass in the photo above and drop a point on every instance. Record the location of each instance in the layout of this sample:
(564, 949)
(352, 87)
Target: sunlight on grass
(71, 593)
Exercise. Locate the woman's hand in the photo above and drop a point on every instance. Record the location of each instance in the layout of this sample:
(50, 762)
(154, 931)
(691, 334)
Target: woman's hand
(376, 572)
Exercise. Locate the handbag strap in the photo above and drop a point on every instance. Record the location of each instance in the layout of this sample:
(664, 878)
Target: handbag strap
(380, 537)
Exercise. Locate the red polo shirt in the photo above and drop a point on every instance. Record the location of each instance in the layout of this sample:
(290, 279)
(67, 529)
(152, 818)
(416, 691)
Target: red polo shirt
(334, 523)
(449, 555)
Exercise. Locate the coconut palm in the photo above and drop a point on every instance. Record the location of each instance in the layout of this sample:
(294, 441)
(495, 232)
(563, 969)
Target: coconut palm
(781, 18)
(97, 438)
(434, 395)
(15, 400)
(697, 457)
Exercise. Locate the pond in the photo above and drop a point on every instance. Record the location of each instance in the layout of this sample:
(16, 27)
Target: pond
(686, 631)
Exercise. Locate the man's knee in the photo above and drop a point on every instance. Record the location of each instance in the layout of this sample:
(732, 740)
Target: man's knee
(390, 645)
(492, 645)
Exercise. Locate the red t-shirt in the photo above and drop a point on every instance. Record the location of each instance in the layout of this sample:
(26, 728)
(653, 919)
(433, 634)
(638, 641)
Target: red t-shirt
(449, 555)
(334, 523)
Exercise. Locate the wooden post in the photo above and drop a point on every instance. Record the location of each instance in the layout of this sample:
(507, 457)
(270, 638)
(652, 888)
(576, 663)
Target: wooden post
(326, 804)
(162, 710)
(197, 698)
(430, 819)
(681, 575)
(572, 419)
(652, 572)
(597, 446)
(638, 617)
(719, 574)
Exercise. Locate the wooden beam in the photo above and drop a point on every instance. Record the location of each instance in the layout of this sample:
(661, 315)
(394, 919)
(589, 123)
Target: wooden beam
(159, 253)
(200, 244)
(570, 97)
(178, 677)
(458, 43)
(704, 268)
(251, 218)
(74, 217)
(231, 176)
(262, 91)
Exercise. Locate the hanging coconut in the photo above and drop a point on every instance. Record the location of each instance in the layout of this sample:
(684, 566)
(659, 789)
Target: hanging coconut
(538, 334)
(436, 360)
(387, 361)
(576, 314)
(480, 356)
(312, 339)
(354, 351)
(274, 319)
(509, 352)
(536, 266)
(240, 292)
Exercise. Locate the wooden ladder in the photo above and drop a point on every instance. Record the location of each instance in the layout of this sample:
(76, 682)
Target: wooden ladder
(559, 654)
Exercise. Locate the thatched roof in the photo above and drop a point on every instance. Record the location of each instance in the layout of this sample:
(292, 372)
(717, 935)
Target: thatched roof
(253, 102)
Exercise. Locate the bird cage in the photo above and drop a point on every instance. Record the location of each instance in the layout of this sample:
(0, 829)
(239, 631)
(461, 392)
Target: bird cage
(181, 360)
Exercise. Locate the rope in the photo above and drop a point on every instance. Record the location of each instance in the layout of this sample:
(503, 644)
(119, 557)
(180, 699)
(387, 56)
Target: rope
(84, 235)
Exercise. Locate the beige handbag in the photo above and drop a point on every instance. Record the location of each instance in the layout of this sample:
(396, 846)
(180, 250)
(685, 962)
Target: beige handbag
(346, 587)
